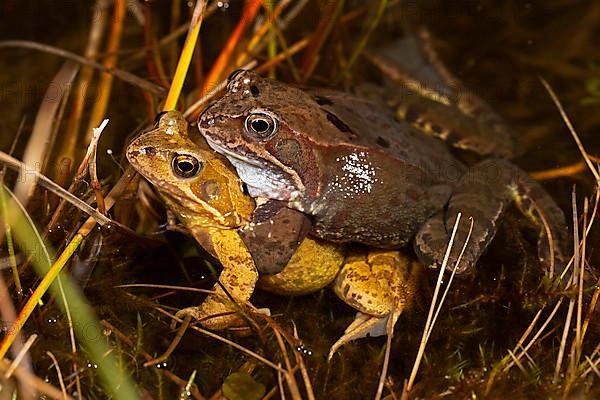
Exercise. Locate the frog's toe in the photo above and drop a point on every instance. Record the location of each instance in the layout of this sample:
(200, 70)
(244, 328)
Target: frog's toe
(214, 314)
(364, 325)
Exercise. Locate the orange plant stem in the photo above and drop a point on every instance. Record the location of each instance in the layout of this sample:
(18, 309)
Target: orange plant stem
(214, 76)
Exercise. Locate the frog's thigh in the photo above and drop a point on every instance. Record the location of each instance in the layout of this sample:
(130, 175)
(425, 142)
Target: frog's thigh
(313, 266)
(375, 282)
(483, 194)
(237, 279)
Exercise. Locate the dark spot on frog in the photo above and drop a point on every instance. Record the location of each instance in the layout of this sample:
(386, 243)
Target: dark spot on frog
(254, 90)
(340, 125)
(346, 290)
(323, 101)
(382, 142)
(287, 151)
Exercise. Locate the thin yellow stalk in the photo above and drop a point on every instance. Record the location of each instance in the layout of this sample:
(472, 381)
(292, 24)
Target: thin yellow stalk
(37, 294)
(184, 61)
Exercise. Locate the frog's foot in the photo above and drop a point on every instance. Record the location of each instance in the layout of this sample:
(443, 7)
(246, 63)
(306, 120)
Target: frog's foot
(219, 315)
(215, 314)
(364, 325)
(484, 194)
(376, 285)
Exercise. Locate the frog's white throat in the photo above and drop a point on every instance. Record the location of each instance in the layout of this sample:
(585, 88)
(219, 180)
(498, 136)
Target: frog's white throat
(260, 179)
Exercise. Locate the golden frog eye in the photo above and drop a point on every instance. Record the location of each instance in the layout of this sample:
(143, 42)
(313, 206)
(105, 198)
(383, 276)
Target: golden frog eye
(186, 166)
(261, 124)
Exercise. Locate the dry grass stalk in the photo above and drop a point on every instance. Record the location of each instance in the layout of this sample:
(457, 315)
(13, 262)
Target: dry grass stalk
(435, 307)
(58, 373)
(15, 363)
(35, 382)
(39, 141)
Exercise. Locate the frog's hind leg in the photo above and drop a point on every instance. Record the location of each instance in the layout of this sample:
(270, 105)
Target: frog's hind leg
(483, 194)
(380, 285)
(437, 103)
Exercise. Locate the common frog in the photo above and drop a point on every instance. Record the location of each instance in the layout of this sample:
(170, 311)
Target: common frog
(365, 176)
(204, 192)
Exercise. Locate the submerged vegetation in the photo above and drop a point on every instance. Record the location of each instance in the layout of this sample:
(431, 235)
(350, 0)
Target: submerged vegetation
(93, 280)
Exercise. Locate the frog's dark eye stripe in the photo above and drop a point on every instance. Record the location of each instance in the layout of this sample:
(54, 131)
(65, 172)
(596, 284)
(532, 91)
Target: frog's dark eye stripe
(185, 166)
(261, 125)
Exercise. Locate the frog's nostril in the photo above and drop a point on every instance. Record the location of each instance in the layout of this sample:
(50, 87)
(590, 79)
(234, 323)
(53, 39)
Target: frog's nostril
(149, 150)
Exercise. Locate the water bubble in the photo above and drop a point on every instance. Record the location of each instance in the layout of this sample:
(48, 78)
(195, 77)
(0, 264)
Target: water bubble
(304, 351)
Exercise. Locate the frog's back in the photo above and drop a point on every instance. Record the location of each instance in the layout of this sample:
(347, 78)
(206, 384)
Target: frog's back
(371, 125)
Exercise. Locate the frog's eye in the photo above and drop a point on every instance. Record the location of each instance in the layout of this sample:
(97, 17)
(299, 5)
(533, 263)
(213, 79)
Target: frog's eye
(261, 124)
(186, 166)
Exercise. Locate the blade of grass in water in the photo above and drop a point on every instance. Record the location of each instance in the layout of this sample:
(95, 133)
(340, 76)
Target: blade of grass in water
(115, 381)
(10, 244)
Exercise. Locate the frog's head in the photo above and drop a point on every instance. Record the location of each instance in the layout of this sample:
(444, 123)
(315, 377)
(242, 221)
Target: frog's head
(269, 131)
(197, 184)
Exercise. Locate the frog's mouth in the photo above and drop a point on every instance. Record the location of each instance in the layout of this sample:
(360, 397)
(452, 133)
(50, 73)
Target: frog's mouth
(262, 178)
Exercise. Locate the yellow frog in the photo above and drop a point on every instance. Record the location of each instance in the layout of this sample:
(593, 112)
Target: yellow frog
(203, 191)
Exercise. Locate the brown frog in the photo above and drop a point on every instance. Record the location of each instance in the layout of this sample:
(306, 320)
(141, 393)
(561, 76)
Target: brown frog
(202, 189)
(364, 176)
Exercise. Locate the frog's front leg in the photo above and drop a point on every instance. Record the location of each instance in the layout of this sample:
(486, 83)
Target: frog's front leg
(380, 285)
(483, 194)
(235, 286)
